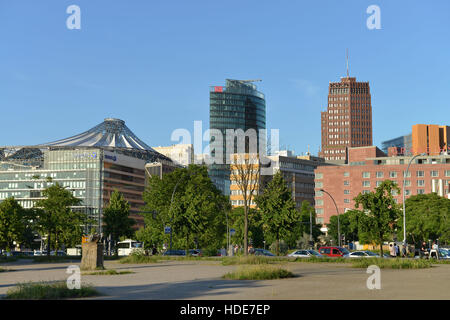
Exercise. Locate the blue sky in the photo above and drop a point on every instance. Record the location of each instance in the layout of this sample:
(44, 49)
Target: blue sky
(151, 63)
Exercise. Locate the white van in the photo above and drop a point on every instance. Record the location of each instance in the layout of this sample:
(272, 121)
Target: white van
(129, 246)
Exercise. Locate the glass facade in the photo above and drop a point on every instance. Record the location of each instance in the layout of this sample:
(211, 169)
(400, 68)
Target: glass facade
(238, 105)
(80, 171)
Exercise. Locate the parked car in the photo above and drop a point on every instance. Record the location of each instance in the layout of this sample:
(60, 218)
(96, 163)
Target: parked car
(58, 253)
(174, 253)
(263, 252)
(305, 254)
(333, 251)
(362, 254)
(444, 254)
(195, 252)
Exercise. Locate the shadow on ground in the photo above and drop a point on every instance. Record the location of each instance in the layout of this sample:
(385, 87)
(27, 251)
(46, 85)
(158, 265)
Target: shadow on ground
(179, 290)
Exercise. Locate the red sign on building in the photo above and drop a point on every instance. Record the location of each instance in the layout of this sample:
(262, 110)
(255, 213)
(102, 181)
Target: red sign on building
(218, 89)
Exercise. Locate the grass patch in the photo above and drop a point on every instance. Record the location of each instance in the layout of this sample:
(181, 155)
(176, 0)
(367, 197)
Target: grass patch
(259, 272)
(135, 258)
(48, 291)
(394, 263)
(106, 273)
(322, 260)
(8, 259)
(4, 270)
(228, 261)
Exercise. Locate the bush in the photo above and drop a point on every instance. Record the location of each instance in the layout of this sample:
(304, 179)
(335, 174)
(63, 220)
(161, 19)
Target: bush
(48, 291)
(262, 272)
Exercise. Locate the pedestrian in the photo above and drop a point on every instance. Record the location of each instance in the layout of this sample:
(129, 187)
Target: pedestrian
(404, 251)
(154, 250)
(397, 250)
(391, 250)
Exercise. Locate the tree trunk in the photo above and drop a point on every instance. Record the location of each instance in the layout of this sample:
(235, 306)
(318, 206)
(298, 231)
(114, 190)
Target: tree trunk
(245, 228)
(48, 244)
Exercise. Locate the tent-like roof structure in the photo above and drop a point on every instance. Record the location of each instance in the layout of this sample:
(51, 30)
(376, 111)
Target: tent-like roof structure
(112, 133)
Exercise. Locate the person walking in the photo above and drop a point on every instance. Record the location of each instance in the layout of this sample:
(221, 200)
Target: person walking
(391, 250)
(397, 250)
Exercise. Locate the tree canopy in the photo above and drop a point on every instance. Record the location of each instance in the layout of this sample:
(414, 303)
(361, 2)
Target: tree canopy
(188, 202)
(427, 218)
(12, 223)
(278, 213)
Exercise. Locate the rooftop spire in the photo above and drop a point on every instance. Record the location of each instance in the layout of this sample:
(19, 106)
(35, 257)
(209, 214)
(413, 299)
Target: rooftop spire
(347, 63)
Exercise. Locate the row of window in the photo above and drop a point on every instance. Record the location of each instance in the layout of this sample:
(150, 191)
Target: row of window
(392, 174)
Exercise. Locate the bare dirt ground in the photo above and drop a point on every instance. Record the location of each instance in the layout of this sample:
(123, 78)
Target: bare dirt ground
(201, 280)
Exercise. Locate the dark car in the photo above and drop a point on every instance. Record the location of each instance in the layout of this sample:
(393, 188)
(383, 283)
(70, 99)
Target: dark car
(174, 253)
(263, 252)
(333, 251)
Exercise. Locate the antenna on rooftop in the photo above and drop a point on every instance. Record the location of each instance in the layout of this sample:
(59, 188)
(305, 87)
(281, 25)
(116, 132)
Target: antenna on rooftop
(347, 62)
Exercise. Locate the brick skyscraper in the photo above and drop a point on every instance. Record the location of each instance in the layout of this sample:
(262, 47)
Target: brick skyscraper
(348, 119)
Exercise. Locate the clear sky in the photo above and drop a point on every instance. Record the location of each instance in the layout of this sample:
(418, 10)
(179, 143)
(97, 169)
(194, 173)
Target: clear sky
(151, 63)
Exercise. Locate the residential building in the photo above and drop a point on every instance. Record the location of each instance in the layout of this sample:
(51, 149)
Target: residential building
(181, 154)
(368, 167)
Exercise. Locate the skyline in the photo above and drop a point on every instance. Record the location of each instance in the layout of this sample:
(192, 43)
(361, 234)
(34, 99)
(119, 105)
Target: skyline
(152, 64)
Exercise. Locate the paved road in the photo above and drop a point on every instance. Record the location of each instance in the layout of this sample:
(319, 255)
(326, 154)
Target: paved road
(202, 280)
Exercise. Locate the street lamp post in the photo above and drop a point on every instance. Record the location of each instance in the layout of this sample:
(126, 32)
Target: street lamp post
(339, 227)
(404, 205)
(310, 229)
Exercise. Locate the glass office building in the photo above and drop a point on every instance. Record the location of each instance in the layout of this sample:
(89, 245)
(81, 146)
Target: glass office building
(91, 165)
(237, 105)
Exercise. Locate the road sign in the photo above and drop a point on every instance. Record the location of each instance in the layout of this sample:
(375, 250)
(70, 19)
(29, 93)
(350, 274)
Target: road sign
(232, 232)
(167, 230)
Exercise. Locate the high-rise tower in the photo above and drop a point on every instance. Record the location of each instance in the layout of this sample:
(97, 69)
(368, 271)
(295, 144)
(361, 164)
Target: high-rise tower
(348, 119)
(237, 105)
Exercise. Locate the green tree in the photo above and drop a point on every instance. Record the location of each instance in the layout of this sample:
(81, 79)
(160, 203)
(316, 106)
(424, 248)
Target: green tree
(347, 227)
(187, 200)
(12, 223)
(379, 214)
(278, 212)
(427, 217)
(55, 217)
(255, 232)
(117, 222)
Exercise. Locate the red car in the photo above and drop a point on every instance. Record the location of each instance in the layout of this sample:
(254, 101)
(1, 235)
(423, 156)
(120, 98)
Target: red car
(333, 251)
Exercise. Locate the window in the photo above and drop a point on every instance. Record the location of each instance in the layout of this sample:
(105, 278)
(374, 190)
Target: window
(366, 174)
(319, 211)
(393, 174)
(319, 202)
(447, 173)
(319, 193)
(380, 174)
(366, 184)
(378, 183)
(420, 183)
(319, 175)
(346, 200)
(407, 183)
(319, 184)
(407, 174)
(420, 191)
(407, 192)
(435, 173)
(346, 174)
(346, 191)
(365, 191)
(346, 183)
(420, 173)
